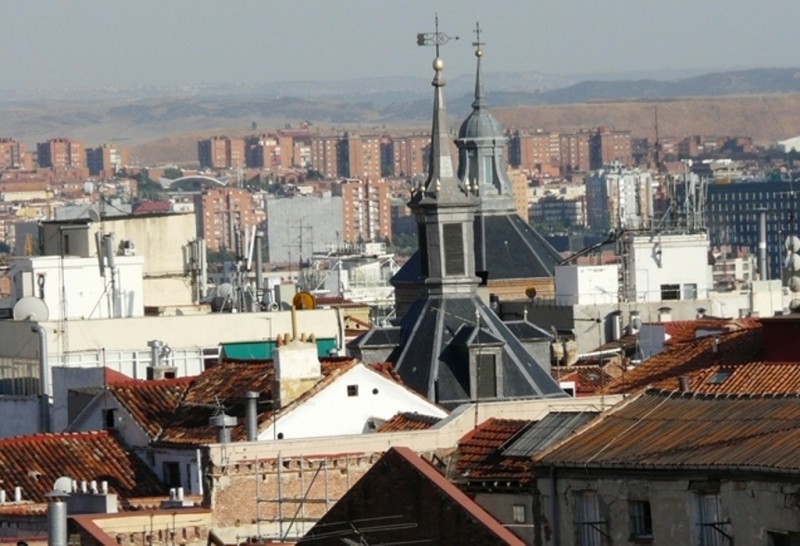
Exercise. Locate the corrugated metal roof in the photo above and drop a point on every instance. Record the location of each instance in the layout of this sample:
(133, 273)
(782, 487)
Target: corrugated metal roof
(660, 430)
(553, 427)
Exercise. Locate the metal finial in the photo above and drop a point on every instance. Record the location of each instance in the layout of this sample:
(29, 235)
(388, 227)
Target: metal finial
(477, 43)
(435, 38)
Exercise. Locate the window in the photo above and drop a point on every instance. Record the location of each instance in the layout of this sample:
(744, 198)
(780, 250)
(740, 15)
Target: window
(640, 520)
(352, 390)
(719, 377)
(109, 419)
(713, 530)
(690, 291)
(487, 376)
(518, 513)
(591, 530)
(783, 538)
(670, 292)
(453, 243)
(172, 474)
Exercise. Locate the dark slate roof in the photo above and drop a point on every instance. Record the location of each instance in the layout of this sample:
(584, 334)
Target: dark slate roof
(428, 361)
(378, 337)
(553, 427)
(512, 248)
(472, 336)
(527, 331)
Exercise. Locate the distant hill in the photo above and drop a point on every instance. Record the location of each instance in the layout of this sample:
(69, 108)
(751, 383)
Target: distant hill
(162, 124)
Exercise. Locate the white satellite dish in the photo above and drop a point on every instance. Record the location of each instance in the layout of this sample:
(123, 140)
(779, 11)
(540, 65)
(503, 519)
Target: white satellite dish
(30, 308)
(63, 485)
(794, 284)
(792, 262)
(225, 290)
(792, 243)
(94, 216)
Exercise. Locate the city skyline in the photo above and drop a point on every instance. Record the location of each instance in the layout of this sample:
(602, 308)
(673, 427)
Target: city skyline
(93, 44)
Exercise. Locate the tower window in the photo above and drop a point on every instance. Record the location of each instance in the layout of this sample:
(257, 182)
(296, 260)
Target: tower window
(453, 240)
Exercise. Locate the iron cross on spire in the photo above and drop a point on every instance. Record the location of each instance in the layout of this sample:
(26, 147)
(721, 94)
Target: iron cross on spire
(477, 43)
(434, 38)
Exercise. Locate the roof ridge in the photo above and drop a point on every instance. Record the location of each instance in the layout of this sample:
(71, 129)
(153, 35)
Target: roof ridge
(45, 436)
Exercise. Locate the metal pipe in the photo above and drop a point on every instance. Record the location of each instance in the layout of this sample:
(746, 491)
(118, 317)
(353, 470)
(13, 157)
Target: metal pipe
(763, 274)
(57, 522)
(554, 501)
(259, 263)
(45, 388)
(251, 415)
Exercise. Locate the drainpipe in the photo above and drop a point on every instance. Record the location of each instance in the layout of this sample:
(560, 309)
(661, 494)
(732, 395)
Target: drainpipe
(57, 518)
(259, 269)
(554, 500)
(45, 389)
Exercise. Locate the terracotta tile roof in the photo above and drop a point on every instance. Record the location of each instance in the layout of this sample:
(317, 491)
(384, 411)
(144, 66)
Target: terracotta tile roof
(480, 455)
(588, 379)
(35, 462)
(735, 366)
(691, 431)
(421, 504)
(225, 385)
(151, 403)
(686, 330)
(408, 421)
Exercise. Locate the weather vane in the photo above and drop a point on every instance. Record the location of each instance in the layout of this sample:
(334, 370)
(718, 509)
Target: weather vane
(434, 38)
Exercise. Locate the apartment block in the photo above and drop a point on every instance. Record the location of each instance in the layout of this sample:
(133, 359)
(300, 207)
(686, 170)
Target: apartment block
(225, 216)
(410, 155)
(61, 153)
(363, 156)
(533, 151)
(609, 146)
(221, 152)
(106, 160)
(325, 155)
(366, 210)
(12, 154)
(261, 151)
(574, 153)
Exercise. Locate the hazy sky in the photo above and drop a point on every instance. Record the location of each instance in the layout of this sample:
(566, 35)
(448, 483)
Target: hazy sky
(93, 43)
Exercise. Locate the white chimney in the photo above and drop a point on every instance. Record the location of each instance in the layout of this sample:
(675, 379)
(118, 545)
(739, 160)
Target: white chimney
(17, 494)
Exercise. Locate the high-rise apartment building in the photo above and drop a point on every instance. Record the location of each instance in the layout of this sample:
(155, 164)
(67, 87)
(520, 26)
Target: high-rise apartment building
(61, 153)
(106, 160)
(226, 216)
(410, 155)
(366, 210)
(531, 151)
(324, 155)
(574, 152)
(609, 146)
(221, 152)
(261, 151)
(363, 156)
(12, 154)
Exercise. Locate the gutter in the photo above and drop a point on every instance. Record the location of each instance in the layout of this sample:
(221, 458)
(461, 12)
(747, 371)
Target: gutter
(45, 389)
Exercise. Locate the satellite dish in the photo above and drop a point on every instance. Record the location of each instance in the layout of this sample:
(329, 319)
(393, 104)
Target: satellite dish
(63, 485)
(794, 284)
(792, 262)
(303, 300)
(792, 243)
(94, 216)
(225, 290)
(30, 308)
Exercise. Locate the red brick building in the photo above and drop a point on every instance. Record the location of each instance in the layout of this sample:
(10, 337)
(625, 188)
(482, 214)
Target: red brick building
(61, 153)
(366, 214)
(225, 215)
(221, 152)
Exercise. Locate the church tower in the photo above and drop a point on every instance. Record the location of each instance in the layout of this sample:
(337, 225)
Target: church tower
(450, 346)
(481, 148)
(445, 210)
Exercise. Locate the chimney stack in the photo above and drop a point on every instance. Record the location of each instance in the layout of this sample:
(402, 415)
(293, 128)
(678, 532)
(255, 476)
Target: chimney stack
(224, 423)
(683, 382)
(251, 415)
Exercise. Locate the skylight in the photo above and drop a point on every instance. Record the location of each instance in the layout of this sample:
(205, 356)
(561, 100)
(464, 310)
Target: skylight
(719, 377)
